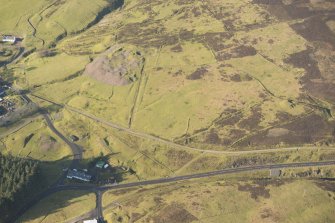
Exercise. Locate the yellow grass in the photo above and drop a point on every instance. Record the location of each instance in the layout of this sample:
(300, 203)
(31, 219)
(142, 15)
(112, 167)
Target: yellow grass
(60, 207)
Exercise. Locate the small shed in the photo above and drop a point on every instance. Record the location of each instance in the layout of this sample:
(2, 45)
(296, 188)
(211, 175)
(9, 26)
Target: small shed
(91, 221)
(100, 164)
(8, 38)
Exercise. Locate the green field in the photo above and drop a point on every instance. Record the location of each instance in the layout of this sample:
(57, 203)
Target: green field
(225, 201)
(36, 141)
(60, 207)
(243, 68)
(39, 71)
(167, 88)
(41, 22)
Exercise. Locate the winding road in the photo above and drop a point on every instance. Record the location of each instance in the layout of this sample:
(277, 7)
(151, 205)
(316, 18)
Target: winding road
(99, 190)
(15, 58)
(76, 150)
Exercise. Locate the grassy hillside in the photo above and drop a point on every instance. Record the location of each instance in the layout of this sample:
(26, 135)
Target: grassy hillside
(14, 14)
(225, 80)
(219, 75)
(42, 22)
(60, 207)
(263, 201)
(235, 79)
(43, 70)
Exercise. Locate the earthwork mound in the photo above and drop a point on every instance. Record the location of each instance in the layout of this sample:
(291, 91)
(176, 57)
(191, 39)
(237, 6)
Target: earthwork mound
(118, 66)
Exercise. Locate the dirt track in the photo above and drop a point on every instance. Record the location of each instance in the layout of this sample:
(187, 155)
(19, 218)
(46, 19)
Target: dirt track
(165, 141)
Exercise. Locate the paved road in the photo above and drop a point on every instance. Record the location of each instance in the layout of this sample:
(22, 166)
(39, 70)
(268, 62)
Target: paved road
(99, 213)
(100, 189)
(76, 150)
(19, 126)
(218, 172)
(197, 176)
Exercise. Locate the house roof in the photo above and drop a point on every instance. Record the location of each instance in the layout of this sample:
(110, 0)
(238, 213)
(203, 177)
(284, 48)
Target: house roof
(91, 221)
(78, 175)
(100, 164)
(8, 37)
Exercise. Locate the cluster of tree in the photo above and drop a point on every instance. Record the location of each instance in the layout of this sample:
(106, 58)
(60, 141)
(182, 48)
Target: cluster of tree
(17, 178)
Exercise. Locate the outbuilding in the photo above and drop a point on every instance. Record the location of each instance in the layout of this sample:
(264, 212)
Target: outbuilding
(91, 221)
(8, 38)
(100, 164)
(79, 175)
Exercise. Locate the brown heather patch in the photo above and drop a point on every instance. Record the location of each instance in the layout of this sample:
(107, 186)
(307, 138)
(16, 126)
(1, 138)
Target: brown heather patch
(255, 190)
(174, 213)
(198, 74)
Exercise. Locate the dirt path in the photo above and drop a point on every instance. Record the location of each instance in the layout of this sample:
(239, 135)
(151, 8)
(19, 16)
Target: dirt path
(100, 190)
(14, 129)
(143, 154)
(136, 98)
(77, 152)
(34, 30)
(167, 142)
(141, 89)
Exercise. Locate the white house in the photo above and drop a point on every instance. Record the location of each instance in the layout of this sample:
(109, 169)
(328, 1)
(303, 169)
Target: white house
(9, 38)
(91, 221)
(79, 175)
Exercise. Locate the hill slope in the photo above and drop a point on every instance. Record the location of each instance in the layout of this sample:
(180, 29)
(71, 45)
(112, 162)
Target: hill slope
(232, 73)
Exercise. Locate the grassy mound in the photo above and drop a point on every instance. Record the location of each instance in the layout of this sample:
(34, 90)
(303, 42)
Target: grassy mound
(117, 67)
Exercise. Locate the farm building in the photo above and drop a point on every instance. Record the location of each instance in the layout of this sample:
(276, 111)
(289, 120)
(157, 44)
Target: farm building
(100, 164)
(9, 38)
(91, 221)
(75, 174)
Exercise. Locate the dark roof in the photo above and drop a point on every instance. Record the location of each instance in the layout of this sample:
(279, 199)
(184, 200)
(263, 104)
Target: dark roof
(100, 164)
(2, 91)
(78, 175)
(74, 138)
